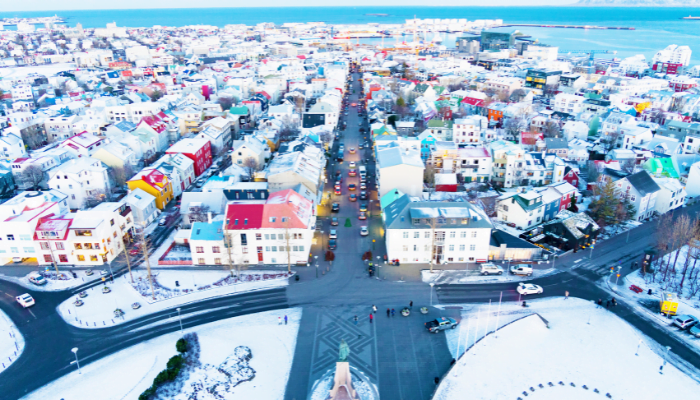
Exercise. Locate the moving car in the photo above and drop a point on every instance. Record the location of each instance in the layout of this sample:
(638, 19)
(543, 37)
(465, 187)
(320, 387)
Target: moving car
(352, 164)
(335, 207)
(353, 197)
(25, 300)
(529, 288)
(337, 186)
(333, 234)
(352, 186)
(521, 269)
(363, 206)
(162, 221)
(352, 150)
(352, 172)
(685, 321)
(440, 324)
(364, 231)
(363, 195)
(37, 279)
(338, 191)
(695, 330)
(332, 244)
(491, 269)
(334, 221)
(363, 216)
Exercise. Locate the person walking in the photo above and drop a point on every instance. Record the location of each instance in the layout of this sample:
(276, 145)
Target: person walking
(355, 319)
(566, 295)
(410, 305)
(374, 308)
(437, 380)
(371, 317)
(279, 320)
(607, 304)
(600, 303)
(614, 302)
(388, 312)
(285, 320)
(393, 312)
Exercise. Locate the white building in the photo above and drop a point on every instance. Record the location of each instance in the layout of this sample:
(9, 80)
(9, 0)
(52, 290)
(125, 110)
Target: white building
(468, 130)
(83, 180)
(399, 169)
(674, 54)
(453, 232)
(143, 206)
(670, 196)
(568, 103)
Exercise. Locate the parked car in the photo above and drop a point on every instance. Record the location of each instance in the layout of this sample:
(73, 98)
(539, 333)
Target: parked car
(25, 300)
(529, 288)
(352, 164)
(695, 330)
(491, 269)
(334, 221)
(338, 192)
(364, 231)
(37, 279)
(521, 269)
(162, 222)
(363, 216)
(363, 206)
(332, 244)
(352, 172)
(440, 324)
(353, 197)
(17, 259)
(335, 207)
(685, 321)
(133, 252)
(363, 195)
(333, 234)
(363, 186)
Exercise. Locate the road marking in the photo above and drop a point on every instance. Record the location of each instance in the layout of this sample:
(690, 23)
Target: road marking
(579, 260)
(30, 311)
(10, 296)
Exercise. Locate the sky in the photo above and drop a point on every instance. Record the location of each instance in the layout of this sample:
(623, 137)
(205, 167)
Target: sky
(54, 5)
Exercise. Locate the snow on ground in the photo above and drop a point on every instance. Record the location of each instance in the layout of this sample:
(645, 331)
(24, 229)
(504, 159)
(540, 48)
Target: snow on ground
(457, 276)
(154, 256)
(134, 368)
(98, 308)
(65, 281)
(614, 230)
(11, 342)
(584, 345)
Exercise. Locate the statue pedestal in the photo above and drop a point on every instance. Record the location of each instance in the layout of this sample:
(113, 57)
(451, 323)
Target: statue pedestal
(342, 383)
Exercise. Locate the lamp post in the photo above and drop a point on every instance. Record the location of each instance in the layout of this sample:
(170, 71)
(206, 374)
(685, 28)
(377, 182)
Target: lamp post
(431, 293)
(323, 241)
(661, 368)
(378, 261)
(180, 318)
(75, 351)
(619, 268)
(316, 257)
(592, 246)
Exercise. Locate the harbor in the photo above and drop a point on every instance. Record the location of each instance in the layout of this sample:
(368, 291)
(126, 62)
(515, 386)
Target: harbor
(621, 28)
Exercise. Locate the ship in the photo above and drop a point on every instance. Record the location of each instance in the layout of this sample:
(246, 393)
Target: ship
(691, 17)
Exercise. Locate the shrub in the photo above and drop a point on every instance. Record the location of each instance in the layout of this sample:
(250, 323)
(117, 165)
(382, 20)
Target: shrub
(175, 362)
(181, 346)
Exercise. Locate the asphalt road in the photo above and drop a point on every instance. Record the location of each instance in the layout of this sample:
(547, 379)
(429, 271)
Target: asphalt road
(395, 353)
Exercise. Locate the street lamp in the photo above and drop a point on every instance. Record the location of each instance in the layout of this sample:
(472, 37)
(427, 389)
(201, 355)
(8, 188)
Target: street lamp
(619, 268)
(431, 293)
(180, 318)
(316, 257)
(75, 351)
(661, 368)
(323, 241)
(379, 258)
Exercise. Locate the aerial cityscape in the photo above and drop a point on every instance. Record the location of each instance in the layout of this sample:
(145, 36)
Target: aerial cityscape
(350, 203)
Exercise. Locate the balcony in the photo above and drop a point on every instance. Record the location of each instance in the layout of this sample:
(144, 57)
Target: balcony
(125, 211)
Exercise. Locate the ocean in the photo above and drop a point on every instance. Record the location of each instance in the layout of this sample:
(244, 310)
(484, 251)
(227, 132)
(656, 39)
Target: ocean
(655, 28)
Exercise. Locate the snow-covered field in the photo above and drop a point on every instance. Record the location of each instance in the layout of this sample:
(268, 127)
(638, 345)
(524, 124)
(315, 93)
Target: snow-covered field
(66, 281)
(11, 342)
(126, 374)
(584, 345)
(461, 276)
(98, 308)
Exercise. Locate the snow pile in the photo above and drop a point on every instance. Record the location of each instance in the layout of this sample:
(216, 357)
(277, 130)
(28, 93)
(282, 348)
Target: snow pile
(570, 344)
(441, 277)
(11, 342)
(222, 344)
(98, 308)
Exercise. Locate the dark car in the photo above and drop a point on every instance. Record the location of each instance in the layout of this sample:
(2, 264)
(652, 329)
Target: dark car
(335, 207)
(363, 195)
(334, 221)
(440, 324)
(353, 197)
(332, 244)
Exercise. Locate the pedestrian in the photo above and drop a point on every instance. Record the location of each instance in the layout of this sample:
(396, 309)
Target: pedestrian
(437, 380)
(374, 308)
(355, 319)
(410, 305)
(566, 295)
(607, 304)
(279, 320)
(285, 320)
(388, 312)
(371, 317)
(600, 303)
(393, 312)
(453, 362)
(614, 302)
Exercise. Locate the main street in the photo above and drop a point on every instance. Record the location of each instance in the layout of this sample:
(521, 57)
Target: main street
(396, 354)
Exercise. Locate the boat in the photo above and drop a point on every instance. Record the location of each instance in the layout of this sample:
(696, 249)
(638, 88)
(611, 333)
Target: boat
(691, 17)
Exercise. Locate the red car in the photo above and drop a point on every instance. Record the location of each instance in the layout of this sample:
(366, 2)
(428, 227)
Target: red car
(352, 186)
(362, 216)
(352, 172)
(134, 252)
(337, 191)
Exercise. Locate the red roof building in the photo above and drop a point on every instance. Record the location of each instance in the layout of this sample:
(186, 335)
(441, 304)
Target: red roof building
(198, 150)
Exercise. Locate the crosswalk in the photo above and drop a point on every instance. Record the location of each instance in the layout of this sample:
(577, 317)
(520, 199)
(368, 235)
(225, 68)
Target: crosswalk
(587, 264)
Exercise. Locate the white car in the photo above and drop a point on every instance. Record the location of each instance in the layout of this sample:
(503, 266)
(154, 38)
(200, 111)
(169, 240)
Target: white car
(25, 300)
(364, 231)
(352, 164)
(529, 288)
(333, 234)
(491, 269)
(36, 278)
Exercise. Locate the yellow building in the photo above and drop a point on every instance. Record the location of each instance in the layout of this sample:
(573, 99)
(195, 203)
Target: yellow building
(154, 183)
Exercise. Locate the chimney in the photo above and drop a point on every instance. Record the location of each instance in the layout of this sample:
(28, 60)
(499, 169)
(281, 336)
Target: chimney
(209, 217)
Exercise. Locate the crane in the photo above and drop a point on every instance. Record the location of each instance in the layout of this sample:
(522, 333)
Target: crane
(591, 53)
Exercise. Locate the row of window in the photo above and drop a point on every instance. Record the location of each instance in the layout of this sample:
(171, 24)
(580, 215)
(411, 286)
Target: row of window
(217, 249)
(462, 247)
(21, 237)
(440, 234)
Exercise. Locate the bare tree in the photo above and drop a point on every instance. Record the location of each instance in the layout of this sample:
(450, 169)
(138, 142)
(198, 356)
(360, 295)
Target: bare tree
(250, 165)
(120, 175)
(609, 141)
(429, 179)
(198, 213)
(551, 129)
(226, 102)
(289, 130)
(326, 138)
(515, 125)
(32, 177)
(551, 90)
(32, 138)
(628, 166)
(94, 198)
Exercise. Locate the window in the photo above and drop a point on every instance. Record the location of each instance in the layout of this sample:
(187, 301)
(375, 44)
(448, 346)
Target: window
(415, 247)
(405, 248)
(216, 249)
(301, 248)
(295, 248)
(452, 247)
(44, 246)
(81, 257)
(200, 261)
(10, 237)
(453, 234)
(87, 246)
(200, 249)
(405, 235)
(632, 198)
(83, 232)
(267, 236)
(28, 249)
(59, 246)
(78, 246)
(274, 248)
(258, 236)
(111, 221)
(217, 261)
(416, 235)
(93, 258)
(472, 247)
(426, 235)
(463, 234)
(62, 258)
(96, 246)
(461, 247)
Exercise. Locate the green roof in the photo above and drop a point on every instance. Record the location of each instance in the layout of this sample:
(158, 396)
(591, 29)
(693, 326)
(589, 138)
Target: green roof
(661, 167)
(390, 198)
(242, 110)
(438, 123)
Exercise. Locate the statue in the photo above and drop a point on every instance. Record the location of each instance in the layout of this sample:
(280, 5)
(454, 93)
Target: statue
(344, 351)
